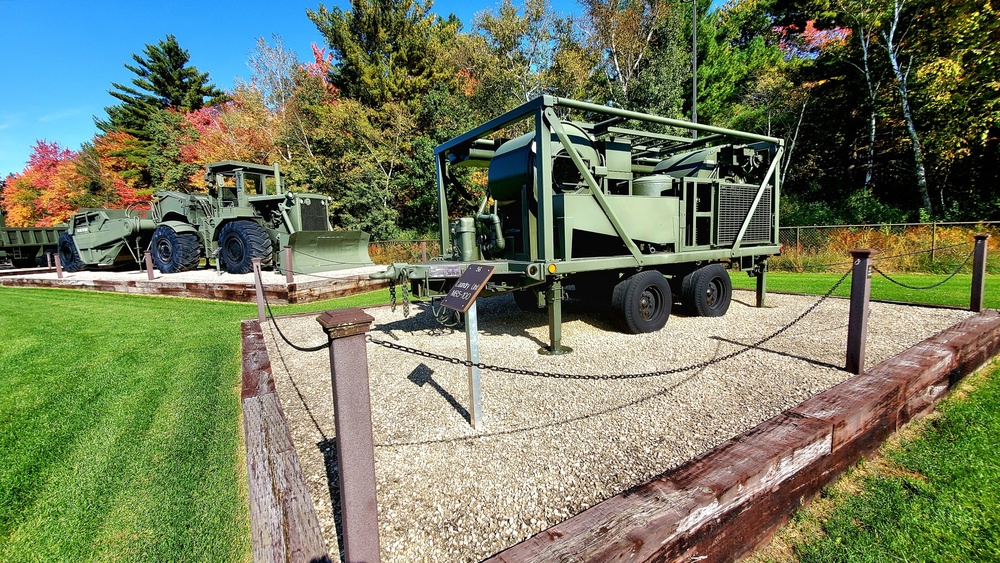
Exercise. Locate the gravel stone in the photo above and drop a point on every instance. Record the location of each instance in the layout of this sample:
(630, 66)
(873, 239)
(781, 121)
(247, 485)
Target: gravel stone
(551, 448)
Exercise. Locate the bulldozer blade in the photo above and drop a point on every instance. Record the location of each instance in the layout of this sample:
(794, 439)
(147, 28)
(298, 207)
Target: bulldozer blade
(325, 251)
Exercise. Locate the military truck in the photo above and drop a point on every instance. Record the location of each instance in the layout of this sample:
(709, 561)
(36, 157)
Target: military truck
(631, 208)
(246, 213)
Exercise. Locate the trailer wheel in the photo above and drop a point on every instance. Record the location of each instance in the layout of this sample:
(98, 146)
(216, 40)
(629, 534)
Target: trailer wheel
(642, 302)
(239, 243)
(707, 291)
(68, 254)
(174, 252)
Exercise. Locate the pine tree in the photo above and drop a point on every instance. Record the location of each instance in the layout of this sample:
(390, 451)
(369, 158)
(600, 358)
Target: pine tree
(163, 80)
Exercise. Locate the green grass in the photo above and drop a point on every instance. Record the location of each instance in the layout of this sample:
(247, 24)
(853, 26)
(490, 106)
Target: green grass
(955, 292)
(119, 426)
(940, 499)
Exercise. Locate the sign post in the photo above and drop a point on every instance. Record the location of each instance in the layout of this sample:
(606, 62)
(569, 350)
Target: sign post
(462, 298)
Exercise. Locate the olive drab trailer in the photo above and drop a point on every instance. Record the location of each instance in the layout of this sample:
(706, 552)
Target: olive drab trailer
(246, 213)
(25, 247)
(617, 205)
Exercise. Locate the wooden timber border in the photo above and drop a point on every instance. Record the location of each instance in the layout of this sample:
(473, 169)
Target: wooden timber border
(283, 523)
(718, 506)
(284, 294)
(723, 504)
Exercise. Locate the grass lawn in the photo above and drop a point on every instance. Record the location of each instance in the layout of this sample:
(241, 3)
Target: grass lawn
(955, 292)
(120, 426)
(934, 497)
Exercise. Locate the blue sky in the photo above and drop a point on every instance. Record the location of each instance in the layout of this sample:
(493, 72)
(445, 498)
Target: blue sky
(58, 59)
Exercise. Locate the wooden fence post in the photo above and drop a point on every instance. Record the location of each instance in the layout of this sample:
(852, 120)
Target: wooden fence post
(148, 259)
(289, 276)
(978, 272)
(857, 324)
(346, 329)
(423, 251)
(258, 289)
(59, 270)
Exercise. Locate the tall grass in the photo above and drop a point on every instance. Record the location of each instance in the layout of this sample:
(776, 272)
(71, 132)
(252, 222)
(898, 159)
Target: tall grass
(905, 249)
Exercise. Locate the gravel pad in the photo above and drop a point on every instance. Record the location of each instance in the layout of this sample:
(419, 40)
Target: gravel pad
(551, 448)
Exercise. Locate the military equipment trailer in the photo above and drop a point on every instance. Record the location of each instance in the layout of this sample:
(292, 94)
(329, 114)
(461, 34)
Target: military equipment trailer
(25, 247)
(621, 207)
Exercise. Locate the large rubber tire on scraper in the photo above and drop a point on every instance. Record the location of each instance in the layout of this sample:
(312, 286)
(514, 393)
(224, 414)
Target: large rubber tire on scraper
(239, 243)
(174, 252)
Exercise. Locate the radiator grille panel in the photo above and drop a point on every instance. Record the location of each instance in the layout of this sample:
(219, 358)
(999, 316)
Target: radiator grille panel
(734, 202)
(314, 217)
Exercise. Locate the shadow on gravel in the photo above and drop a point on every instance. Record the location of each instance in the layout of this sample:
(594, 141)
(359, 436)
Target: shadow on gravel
(423, 375)
(779, 353)
(328, 448)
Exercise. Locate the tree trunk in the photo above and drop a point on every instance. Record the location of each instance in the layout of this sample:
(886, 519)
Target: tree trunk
(892, 48)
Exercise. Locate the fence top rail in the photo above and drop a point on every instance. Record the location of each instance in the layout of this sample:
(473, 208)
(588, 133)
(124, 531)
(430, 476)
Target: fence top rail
(879, 225)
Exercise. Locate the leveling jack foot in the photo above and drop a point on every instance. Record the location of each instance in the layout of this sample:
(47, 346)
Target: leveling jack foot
(554, 350)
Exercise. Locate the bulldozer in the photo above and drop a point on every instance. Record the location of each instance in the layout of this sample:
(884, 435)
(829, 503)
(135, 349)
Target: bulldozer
(246, 213)
(633, 209)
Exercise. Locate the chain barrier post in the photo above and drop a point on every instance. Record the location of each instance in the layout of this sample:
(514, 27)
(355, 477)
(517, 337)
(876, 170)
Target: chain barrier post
(472, 347)
(346, 329)
(258, 288)
(289, 276)
(48, 259)
(857, 324)
(59, 270)
(147, 258)
(423, 251)
(978, 272)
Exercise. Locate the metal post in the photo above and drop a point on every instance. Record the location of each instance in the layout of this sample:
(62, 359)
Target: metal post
(289, 276)
(857, 324)
(553, 299)
(762, 285)
(423, 251)
(258, 288)
(352, 414)
(933, 240)
(978, 272)
(472, 347)
(59, 270)
(148, 259)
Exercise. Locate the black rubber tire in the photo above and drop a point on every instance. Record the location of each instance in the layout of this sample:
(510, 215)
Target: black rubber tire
(239, 243)
(174, 252)
(68, 254)
(642, 302)
(527, 300)
(707, 291)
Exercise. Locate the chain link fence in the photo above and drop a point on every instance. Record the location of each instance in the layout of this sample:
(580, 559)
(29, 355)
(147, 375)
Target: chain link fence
(819, 247)
(827, 247)
(390, 251)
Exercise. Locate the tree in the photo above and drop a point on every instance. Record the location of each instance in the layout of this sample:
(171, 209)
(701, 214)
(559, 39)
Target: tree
(163, 80)
(384, 50)
(43, 194)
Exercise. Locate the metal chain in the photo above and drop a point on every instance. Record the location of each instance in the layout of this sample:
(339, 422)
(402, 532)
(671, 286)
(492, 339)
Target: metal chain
(274, 323)
(932, 286)
(392, 295)
(547, 374)
(405, 288)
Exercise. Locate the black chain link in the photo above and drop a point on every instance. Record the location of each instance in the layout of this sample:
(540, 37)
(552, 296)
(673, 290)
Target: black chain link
(932, 286)
(392, 295)
(274, 323)
(548, 374)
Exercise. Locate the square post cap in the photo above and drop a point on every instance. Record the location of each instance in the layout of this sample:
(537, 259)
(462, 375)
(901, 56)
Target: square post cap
(863, 253)
(341, 323)
(982, 236)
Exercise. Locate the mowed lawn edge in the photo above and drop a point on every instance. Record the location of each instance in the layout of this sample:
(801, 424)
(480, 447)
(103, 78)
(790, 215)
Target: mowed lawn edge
(121, 426)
